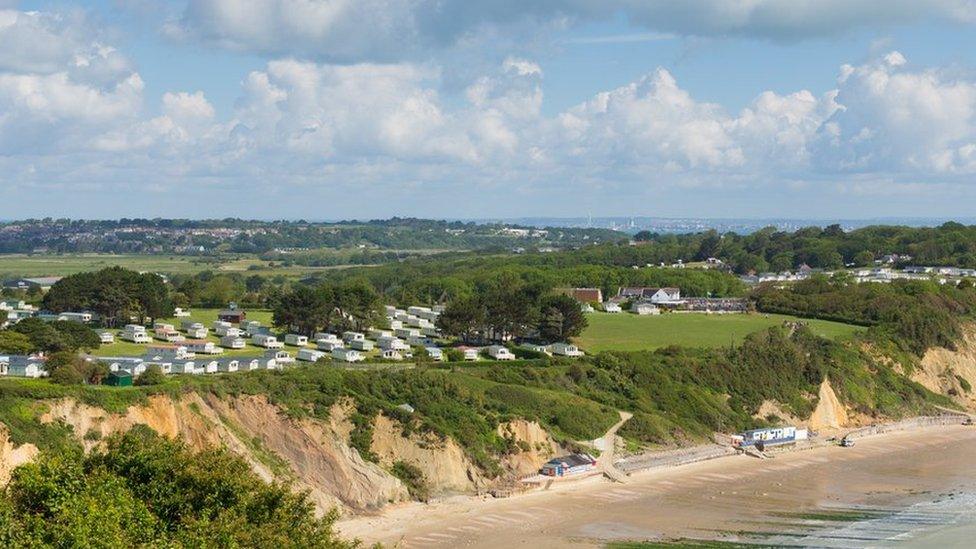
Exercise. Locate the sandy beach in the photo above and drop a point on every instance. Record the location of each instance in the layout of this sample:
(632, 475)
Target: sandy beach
(738, 497)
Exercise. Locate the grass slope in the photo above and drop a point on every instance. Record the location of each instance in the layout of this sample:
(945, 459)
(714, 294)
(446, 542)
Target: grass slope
(627, 332)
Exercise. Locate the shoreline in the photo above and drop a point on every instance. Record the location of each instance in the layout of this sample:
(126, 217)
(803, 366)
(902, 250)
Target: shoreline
(458, 520)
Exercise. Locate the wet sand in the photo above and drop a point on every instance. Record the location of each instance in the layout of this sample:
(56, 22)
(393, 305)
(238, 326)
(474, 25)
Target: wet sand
(736, 497)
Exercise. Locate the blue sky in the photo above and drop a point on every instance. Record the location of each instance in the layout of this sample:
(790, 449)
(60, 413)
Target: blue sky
(371, 108)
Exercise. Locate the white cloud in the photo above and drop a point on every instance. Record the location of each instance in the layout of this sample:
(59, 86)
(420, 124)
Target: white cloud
(897, 118)
(385, 30)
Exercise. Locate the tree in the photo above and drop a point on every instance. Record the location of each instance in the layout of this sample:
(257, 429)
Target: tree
(863, 258)
(304, 309)
(562, 318)
(152, 376)
(463, 318)
(15, 343)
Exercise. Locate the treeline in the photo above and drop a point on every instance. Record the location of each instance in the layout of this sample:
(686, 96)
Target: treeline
(115, 294)
(769, 249)
(916, 315)
(33, 334)
(458, 276)
(338, 307)
(507, 307)
(143, 490)
(248, 236)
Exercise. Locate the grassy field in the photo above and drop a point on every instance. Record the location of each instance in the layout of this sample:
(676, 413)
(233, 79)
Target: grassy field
(628, 332)
(20, 265)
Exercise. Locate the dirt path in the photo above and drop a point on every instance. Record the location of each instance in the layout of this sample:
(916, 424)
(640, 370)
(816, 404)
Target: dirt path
(604, 463)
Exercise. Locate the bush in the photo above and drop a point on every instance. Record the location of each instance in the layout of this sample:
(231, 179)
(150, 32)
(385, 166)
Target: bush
(152, 376)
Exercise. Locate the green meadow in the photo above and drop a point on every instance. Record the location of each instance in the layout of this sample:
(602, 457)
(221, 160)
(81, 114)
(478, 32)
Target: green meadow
(629, 332)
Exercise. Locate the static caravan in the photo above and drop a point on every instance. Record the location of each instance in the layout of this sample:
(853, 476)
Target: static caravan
(159, 326)
(536, 348)
(391, 342)
(500, 352)
(203, 347)
(181, 313)
(435, 353)
(232, 342)
(220, 327)
(390, 354)
(182, 367)
(407, 332)
(208, 366)
(362, 344)
(566, 349)
(267, 341)
(347, 355)
(280, 357)
(169, 336)
(135, 335)
(349, 337)
(106, 337)
(612, 307)
(190, 324)
(228, 365)
(196, 333)
(326, 336)
(25, 366)
(377, 333)
(296, 340)
(309, 355)
(77, 317)
(419, 341)
(470, 353)
(328, 345)
(430, 331)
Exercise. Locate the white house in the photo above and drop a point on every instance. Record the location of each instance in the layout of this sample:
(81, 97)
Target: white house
(566, 349)
(328, 345)
(500, 352)
(296, 340)
(349, 337)
(347, 355)
(232, 342)
(362, 344)
(106, 337)
(267, 341)
(309, 355)
(612, 307)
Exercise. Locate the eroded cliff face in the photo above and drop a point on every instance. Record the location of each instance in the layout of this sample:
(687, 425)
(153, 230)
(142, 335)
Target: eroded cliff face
(12, 456)
(951, 373)
(312, 454)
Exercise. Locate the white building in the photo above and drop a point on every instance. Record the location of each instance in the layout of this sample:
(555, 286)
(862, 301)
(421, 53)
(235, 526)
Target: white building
(470, 353)
(328, 345)
(179, 312)
(566, 349)
(296, 340)
(389, 342)
(536, 348)
(203, 347)
(349, 337)
(644, 308)
(267, 341)
(500, 352)
(612, 307)
(279, 356)
(362, 344)
(347, 355)
(390, 354)
(309, 355)
(436, 354)
(232, 342)
(106, 337)
(135, 334)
